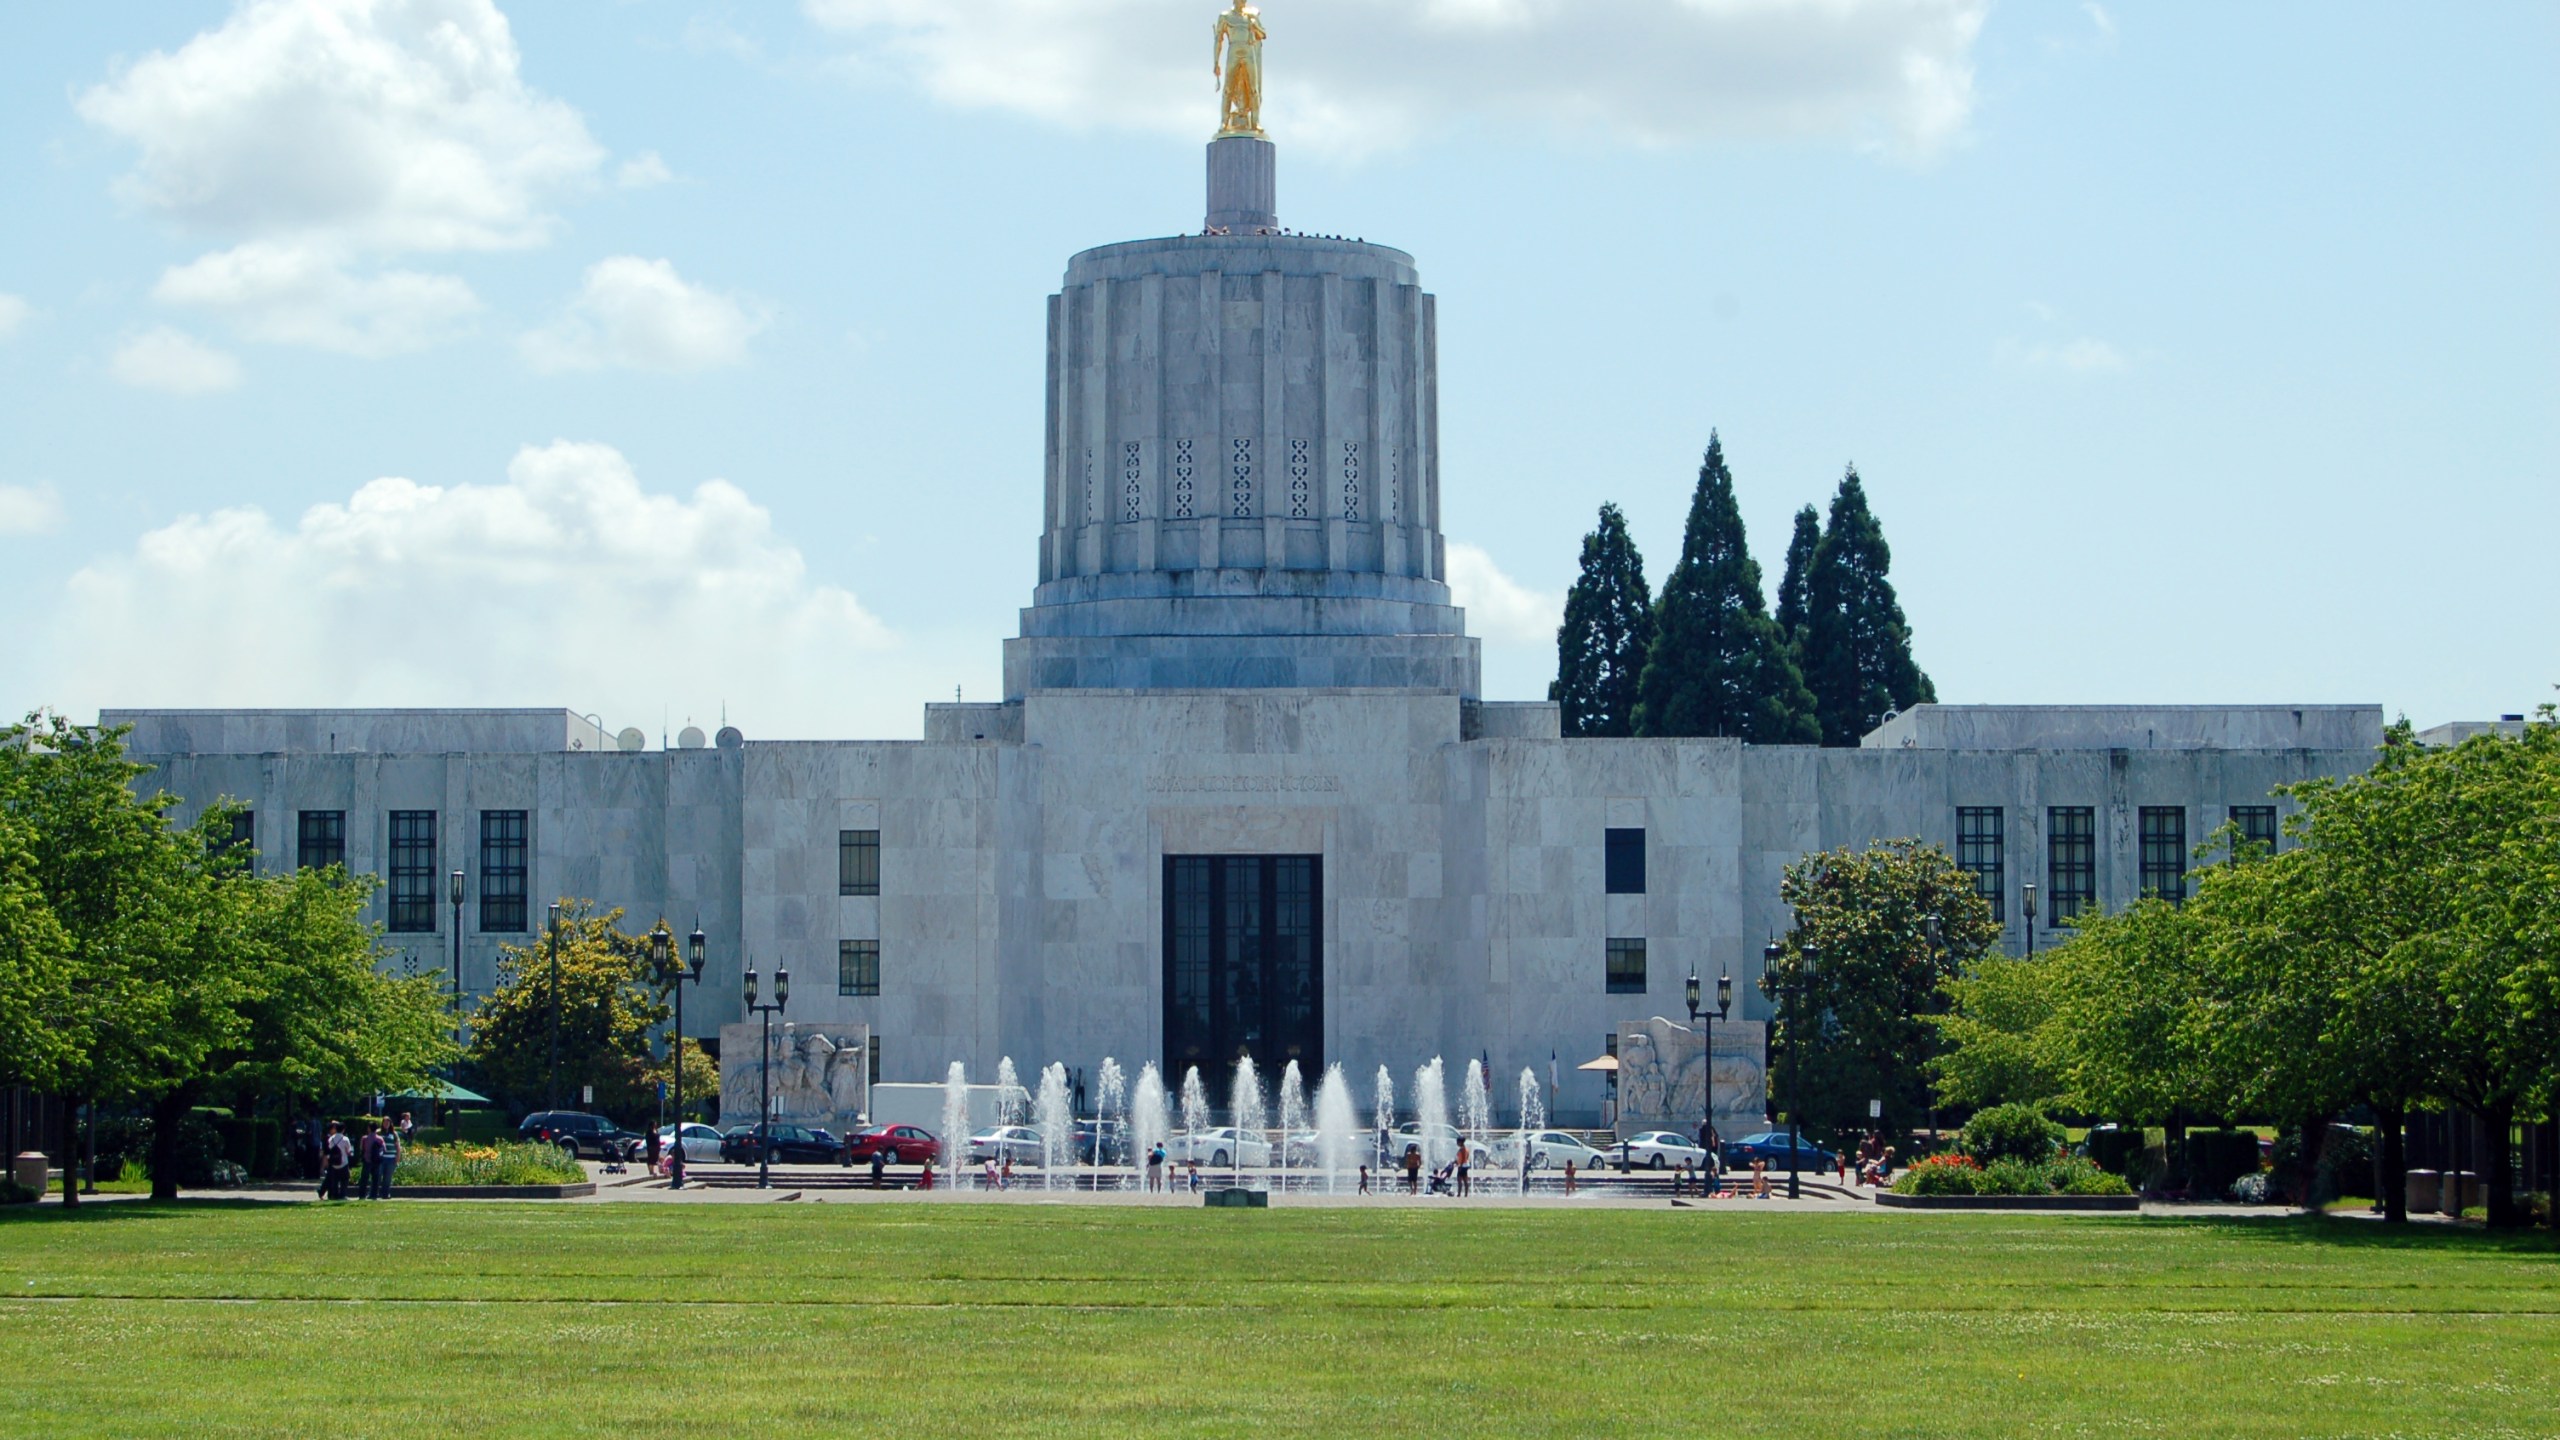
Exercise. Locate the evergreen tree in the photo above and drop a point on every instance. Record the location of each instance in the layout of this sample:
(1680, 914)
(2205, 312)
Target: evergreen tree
(1791, 590)
(1857, 648)
(1607, 632)
(1719, 664)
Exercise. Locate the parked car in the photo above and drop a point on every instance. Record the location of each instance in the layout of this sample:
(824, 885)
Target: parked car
(1548, 1150)
(792, 1145)
(903, 1144)
(1220, 1147)
(1657, 1150)
(1021, 1142)
(1113, 1137)
(701, 1142)
(1439, 1144)
(1772, 1146)
(583, 1135)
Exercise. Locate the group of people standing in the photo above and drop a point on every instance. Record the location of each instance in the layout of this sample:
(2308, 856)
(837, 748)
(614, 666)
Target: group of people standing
(367, 1157)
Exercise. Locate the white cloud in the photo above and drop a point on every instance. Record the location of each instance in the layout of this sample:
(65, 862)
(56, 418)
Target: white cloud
(1352, 75)
(29, 509)
(1500, 610)
(13, 313)
(294, 295)
(639, 314)
(642, 171)
(2083, 356)
(565, 581)
(2099, 17)
(175, 362)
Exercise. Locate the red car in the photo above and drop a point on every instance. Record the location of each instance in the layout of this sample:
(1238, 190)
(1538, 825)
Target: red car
(904, 1145)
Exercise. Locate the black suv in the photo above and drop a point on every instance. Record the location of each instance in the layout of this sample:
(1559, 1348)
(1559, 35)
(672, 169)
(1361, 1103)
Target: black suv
(580, 1134)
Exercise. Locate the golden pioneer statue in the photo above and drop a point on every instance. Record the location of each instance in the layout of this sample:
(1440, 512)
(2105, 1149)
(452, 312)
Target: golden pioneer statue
(1235, 56)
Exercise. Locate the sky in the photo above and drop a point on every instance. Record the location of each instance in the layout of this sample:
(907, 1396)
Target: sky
(675, 361)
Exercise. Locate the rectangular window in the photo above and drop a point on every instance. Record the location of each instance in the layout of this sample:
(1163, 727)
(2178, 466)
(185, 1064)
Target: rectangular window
(1982, 852)
(857, 967)
(873, 1046)
(2070, 860)
(858, 862)
(244, 832)
(1625, 862)
(502, 872)
(2164, 851)
(2257, 827)
(413, 872)
(320, 839)
(1244, 961)
(1626, 967)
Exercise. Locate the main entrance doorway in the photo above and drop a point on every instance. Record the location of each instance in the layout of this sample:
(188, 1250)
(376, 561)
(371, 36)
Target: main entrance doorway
(1243, 964)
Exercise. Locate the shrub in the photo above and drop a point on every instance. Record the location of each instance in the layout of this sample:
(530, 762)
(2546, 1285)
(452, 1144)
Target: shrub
(2012, 1176)
(13, 1193)
(1940, 1175)
(255, 1145)
(483, 1127)
(2215, 1158)
(2073, 1175)
(502, 1164)
(2011, 1132)
(2250, 1189)
(2118, 1151)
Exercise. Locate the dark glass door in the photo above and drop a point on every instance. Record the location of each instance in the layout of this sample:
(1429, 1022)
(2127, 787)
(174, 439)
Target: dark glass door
(1243, 963)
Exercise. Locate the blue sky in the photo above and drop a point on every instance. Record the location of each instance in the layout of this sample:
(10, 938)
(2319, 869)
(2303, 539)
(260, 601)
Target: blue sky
(655, 357)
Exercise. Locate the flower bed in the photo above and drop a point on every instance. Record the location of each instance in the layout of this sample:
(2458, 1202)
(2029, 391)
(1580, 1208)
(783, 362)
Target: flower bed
(1958, 1175)
(506, 1164)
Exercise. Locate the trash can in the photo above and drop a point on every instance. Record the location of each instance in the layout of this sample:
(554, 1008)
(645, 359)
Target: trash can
(2462, 1190)
(30, 1170)
(2424, 1192)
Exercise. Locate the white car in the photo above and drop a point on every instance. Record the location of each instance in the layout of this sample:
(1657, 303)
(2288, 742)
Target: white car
(1657, 1150)
(1019, 1141)
(701, 1143)
(1439, 1146)
(1219, 1148)
(1548, 1150)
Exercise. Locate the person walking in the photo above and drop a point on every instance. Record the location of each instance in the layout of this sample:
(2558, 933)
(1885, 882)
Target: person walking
(336, 1155)
(1464, 1155)
(880, 1166)
(1364, 1179)
(1155, 1168)
(389, 1161)
(1413, 1169)
(654, 1146)
(1568, 1179)
(369, 1157)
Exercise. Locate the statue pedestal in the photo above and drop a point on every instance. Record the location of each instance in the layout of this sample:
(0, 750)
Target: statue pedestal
(1244, 185)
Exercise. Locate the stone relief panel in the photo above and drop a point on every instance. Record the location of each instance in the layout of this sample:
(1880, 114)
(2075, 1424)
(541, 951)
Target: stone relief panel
(1661, 1065)
(820, 1075)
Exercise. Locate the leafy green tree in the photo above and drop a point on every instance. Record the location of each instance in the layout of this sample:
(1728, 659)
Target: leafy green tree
(1994, 1042)
(1606, 635)
(1795, 599)
(1857, 647)
(1859, 1024)
(1719, 664)
(35, 965)
(612, 1005)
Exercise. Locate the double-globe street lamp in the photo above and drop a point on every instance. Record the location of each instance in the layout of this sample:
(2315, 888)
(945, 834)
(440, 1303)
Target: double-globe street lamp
(1724, 1008)
(764, 1070)
(1790, 994)
(454, 890)
(662, 945)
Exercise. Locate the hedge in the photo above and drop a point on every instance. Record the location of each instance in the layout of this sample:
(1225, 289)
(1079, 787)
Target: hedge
(2215, 1158)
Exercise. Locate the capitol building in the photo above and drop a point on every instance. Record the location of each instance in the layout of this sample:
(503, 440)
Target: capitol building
(1243, 793)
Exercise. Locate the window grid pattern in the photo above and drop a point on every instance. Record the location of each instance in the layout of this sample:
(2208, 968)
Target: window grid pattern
(2258, 829)
(1182, 489)
(858, 862)
(2070, 860)
(1301, 488)
(320, 839)
(1626, 967)
(1133, 472)
(1623, 862)
(1350, 479)
(502, 872)
(244, 831)
(1982, 844)
(413, 872)
(858, 969)
(1240, 471)
(2164, 851)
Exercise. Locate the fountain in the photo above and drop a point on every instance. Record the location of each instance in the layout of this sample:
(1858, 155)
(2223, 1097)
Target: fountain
(1149, 1123)
(1533, 1118)
(1337, 1128)
(1056, 1123)
(1293, 1116)
(1245, 1108)
(1008, 1085)
(1431, 1114)
(955, 1124)
(1111, 1098)
(1475, 1116)
(1195, 1112)
(1386, 1117)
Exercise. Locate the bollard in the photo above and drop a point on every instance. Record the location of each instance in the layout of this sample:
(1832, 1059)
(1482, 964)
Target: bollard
(30, 1170)
(2422, 1191)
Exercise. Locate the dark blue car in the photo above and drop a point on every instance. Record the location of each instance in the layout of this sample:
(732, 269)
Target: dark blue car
(1771, 1145)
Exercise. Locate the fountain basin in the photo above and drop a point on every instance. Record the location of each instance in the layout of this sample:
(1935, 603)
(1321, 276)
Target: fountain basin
(1232, 1198)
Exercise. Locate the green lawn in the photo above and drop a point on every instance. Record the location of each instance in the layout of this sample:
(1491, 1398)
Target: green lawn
(981, 1320)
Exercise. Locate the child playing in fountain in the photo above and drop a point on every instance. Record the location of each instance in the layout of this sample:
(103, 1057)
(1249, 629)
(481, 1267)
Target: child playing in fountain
(1364, 1179)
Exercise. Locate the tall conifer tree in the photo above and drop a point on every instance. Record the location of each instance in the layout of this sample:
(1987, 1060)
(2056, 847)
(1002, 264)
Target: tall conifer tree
(1857, 647)
(1791, 590)
(1719, 665)
(1607, 632)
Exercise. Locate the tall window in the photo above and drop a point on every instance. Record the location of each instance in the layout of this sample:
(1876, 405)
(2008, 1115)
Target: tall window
(1626, 967)
(413, 871)
(1982, 852)
(874, 1047)
(2070, 860)
(1625, 862)
(244, 832)
(1244, 960)
(858, 968)
(2257, 827)
(2164, 851)
(857, 862)
(502, 871)
(320, 839)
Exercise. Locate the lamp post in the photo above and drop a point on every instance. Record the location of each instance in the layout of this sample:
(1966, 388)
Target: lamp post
(662, 944)
(764, 1069)
(1937, 951)
(453, 889)
(2027, 897)
(552, 927)
(1795, 1073)
(1724, 1007)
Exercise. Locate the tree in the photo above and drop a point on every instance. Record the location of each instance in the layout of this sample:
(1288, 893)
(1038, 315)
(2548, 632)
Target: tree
(35, 965)
(1995, 1045)
(1857, 647)
(611, 1005)
(1719, 664)
(1606, 635)
(1859, 1025)
(1794, 592)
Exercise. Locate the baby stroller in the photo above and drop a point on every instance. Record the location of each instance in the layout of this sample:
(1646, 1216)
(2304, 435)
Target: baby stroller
(1440, 1179)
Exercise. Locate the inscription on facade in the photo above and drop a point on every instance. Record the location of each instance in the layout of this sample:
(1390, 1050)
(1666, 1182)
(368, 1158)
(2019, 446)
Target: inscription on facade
(1245, 784)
